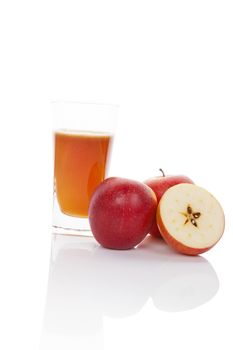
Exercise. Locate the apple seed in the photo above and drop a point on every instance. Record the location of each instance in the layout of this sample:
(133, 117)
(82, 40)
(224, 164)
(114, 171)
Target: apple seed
(190, 216)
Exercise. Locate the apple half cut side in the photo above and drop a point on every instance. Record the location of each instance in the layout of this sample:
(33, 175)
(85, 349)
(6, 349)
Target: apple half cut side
(190, 219)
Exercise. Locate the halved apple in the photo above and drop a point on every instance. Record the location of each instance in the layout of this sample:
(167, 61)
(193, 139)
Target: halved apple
(190, 219)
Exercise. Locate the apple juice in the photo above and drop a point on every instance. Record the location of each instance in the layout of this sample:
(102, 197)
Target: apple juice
(81, 160)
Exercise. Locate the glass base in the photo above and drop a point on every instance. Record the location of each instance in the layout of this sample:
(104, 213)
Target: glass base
(70, 231)
(69, 225)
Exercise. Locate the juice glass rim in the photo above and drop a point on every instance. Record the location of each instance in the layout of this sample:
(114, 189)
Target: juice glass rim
(85, 103)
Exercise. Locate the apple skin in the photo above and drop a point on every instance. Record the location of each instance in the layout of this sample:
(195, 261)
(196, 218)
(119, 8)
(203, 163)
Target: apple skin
(160, 185)
(173, 243)
(121, 212)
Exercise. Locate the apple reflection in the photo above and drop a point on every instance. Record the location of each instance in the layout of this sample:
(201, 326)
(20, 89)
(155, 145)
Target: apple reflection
(182, 282)
(88, 282)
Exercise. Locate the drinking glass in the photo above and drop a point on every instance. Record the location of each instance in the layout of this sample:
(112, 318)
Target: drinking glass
(83, 137)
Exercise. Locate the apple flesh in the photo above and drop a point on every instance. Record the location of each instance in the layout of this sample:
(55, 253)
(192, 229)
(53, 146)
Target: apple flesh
(160, 185)
(121, 212)
(190, 219)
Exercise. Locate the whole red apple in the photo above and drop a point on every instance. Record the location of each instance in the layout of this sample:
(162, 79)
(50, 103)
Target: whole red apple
(160, 185)
(121, 212)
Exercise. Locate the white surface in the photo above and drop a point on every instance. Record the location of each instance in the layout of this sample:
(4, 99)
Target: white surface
(98, 297)
(168, 64)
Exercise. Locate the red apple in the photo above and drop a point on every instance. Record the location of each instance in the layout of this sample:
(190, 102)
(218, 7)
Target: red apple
(160, 185)
(121, 212)
(190, 219)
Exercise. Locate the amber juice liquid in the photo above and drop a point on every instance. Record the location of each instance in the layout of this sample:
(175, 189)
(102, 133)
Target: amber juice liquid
(81, 160)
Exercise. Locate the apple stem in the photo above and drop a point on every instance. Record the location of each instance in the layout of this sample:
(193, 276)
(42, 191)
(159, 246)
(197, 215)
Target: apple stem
(162, 172)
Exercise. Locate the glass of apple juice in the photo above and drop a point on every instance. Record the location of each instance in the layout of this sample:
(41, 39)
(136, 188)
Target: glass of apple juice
(83, 137)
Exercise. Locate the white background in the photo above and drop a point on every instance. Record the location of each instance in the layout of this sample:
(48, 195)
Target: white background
(168, 64)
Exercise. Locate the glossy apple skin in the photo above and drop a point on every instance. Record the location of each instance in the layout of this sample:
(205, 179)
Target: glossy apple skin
(160, 185)
(173, 243)
(121, 212)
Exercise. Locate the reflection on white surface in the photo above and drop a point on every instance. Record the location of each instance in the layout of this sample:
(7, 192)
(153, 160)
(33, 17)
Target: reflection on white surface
(88, 282)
